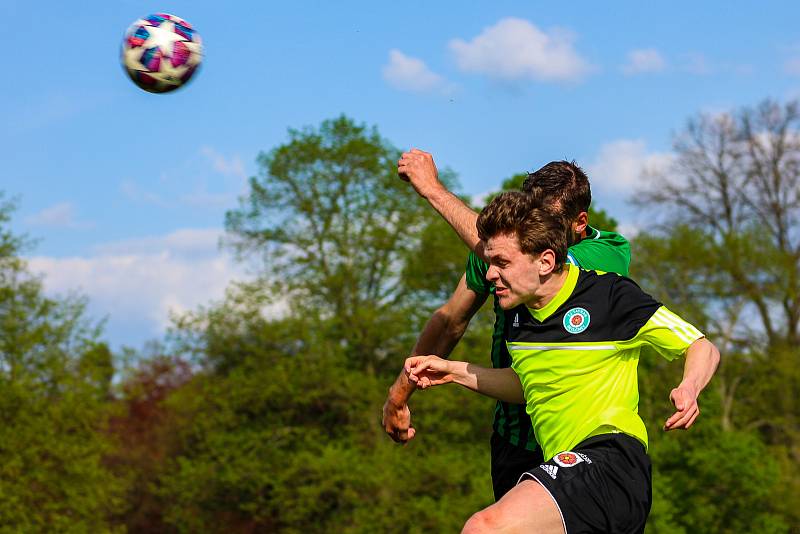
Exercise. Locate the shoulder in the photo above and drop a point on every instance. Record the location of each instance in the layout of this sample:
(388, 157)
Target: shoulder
(625, 306)
(475, 273)
(631, 307)
(607, 251)
(601, 238)
(475, 262)
(613, 285)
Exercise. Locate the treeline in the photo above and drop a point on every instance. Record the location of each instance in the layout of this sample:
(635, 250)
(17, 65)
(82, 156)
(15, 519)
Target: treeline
(247, 421)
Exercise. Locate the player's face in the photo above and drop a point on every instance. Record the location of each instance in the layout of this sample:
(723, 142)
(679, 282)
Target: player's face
(514, 274)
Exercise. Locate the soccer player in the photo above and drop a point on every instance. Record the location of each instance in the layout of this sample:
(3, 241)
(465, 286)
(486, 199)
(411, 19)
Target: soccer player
(574, 337)
(561, 186)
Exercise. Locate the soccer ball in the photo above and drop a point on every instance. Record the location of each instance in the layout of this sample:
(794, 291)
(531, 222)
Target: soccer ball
(161, 52)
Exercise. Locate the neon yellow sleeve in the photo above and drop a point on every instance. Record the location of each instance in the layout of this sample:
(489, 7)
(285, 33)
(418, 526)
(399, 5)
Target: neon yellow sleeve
(667, 333)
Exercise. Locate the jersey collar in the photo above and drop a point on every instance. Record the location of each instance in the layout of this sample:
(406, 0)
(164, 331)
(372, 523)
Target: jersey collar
(561, 297)
(591, 233)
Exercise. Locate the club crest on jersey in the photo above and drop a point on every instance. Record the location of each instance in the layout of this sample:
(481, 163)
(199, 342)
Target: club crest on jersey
(567, 459)
(576, 320)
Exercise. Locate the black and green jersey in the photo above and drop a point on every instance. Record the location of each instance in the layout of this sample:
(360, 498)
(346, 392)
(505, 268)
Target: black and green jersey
(577, 356)
(606, 251)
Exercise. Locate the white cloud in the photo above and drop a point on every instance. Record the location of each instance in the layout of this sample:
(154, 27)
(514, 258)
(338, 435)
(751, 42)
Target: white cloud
(61, 215)
(620, 164)
(140, 281)
(515, 49)
(642, 61)
(616, 173)
(186, 242)
(407, 73)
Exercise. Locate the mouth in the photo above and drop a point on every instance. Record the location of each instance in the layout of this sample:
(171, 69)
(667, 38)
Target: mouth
(499, 291)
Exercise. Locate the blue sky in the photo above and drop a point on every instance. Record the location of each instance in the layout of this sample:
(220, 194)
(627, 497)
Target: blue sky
(126, 191)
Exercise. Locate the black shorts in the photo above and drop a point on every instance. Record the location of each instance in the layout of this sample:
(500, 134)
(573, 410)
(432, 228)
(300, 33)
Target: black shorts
(602, 485)
(508, 464)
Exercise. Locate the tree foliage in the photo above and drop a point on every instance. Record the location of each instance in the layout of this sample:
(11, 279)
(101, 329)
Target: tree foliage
(260, 413)
(54, 392)
(727, 254)
(288, 440)
(333, 224)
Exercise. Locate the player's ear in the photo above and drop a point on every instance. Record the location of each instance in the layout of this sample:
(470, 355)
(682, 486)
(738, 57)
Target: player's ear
(547, 262)
(581, 222)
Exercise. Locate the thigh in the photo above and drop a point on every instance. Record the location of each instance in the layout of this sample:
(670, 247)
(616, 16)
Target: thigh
(509, 463)
(528, 507)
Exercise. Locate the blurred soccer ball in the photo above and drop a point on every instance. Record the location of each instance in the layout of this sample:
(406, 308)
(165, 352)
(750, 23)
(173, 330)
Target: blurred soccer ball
(161, 52)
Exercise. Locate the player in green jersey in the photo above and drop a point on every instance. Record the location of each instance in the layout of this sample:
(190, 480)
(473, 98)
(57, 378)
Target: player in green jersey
(574, 338)
(559, 185)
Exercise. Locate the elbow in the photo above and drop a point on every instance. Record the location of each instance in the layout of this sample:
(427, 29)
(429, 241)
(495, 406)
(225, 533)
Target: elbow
(713, 355)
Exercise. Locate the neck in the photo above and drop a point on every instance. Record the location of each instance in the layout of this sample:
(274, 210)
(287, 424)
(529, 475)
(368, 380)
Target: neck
(549, 288)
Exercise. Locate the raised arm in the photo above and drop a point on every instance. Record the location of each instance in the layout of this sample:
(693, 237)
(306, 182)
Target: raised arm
(418, 168)
(501, 384)
(440, 335)
(702, 359)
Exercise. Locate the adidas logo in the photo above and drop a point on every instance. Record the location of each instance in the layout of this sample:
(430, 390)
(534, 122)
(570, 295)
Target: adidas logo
(516, 321)
(550, 470)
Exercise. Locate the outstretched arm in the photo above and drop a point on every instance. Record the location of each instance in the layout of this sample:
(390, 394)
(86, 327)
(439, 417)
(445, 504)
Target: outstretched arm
(440, 335)
(418, 168)
(500, 384)
(702, 359)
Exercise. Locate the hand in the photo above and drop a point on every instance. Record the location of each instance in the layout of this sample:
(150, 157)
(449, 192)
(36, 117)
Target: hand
(397, 422)
(417, 167)
(428, 371)
(685, 400)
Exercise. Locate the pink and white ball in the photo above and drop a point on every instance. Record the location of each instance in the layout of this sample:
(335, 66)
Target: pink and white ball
(161, 52)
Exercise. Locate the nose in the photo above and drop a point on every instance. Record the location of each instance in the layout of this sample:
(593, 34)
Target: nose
(492, 275)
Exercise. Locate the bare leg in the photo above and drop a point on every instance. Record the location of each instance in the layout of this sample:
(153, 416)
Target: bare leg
(528, 508)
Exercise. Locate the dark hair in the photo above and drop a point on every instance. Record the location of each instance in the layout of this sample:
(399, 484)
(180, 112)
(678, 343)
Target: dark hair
(564, 183)
(517, 213)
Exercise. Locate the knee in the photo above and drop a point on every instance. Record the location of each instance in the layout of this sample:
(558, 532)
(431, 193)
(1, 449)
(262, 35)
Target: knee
(482, 522)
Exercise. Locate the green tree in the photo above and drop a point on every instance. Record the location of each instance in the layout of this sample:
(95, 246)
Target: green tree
(724, 249)
(289, 439)
(54, 391)
(333, 224)
(145, 431)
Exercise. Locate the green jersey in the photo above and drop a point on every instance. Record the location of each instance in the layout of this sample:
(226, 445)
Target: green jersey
(606, 251)
(577, 356)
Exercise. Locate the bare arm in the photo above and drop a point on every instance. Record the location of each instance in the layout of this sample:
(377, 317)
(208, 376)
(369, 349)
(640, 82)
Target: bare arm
(418, 168)
(702, 360)
(440, 335)
(501, 384)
